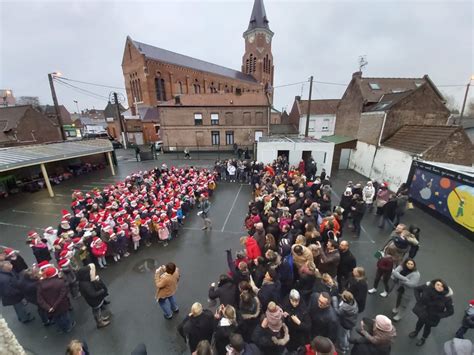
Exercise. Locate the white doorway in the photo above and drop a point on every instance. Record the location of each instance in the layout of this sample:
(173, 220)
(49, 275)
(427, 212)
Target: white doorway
(344, 161)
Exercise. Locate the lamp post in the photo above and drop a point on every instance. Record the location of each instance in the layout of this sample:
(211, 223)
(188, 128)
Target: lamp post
(5, 98)
(77, 107)
(55, 101)
(465, 99)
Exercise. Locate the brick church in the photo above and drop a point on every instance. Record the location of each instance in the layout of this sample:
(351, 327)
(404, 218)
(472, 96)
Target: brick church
(153, 75)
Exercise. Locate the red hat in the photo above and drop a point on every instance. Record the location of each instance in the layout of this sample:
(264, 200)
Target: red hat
(155, 218)
(9, 252)
(50, 272)
(76, 240)
(65, 213)
(43, 265)
(49, 229)
(471, 302)
(64, 222)
(63, 263)
(32, 234)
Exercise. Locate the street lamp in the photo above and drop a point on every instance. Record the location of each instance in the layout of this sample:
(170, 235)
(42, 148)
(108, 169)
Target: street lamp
(465, 98)
(77, 106)
(55, 101)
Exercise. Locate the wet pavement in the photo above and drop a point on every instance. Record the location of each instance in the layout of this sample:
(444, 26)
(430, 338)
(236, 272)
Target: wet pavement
(201, 258)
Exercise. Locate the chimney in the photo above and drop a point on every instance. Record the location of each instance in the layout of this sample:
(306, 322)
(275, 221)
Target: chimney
(298, 98)
(357, 74)
(177, 100)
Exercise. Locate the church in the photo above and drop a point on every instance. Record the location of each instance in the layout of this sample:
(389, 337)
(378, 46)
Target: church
(153, 75)
(197, 104)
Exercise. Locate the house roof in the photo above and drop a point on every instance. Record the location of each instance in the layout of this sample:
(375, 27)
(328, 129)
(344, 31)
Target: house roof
(167, 56)
(338, 139)
(149, 114)
(9, 118)
(111, 111)
(258, 18)
(387, 101)
(49, 110)
(319, 107)
(283, 129)
(417, 139)
(373, 89)
(219, 99)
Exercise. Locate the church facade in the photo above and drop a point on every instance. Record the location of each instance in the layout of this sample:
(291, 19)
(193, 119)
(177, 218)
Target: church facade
(154, 75)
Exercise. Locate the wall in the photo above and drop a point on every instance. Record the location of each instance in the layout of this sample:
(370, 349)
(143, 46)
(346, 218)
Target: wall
(178, 128)
(36, 128)
(370, 126)
(389, 165)
(268, 151)
(316, 123)
(348, 111)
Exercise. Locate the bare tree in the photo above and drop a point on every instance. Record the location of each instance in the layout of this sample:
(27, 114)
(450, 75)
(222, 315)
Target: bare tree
(470, 108)
(28, 100)
(451, 103)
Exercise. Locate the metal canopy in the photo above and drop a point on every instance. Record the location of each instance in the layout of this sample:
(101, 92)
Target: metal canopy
(24, 156)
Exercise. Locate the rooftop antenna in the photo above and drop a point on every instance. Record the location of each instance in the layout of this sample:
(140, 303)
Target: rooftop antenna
(362, 62)
(302, 88)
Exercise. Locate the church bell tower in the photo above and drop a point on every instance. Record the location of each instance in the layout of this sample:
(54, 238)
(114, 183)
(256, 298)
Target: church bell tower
(258, 59)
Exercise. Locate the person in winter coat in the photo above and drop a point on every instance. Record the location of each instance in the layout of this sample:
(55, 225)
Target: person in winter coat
(328, 258)
(376, 337)
(226, 291)
(52, 296)
(384, 271)
(238, 346)
(10, 292)
(69, 275)
(226, 324)
(402, 203)
(398, 246)
(318, 346)
(324, 320)
(347, 263)
(467, 321)
(249, 311)
(166, 282)
(433, 302)
(345, 203)
(270, 290)
(28, 285)
(272, 334)
(388, 211)
(94, 292)
(357, 285)
(347, 313)
(368, 194)
(381, 198)
(198, 325)
(297, 320)
(301, 255)
(17, 261)
(407, 277)
(204, 212)
(458, 346)
(99, 249)
(231, 170)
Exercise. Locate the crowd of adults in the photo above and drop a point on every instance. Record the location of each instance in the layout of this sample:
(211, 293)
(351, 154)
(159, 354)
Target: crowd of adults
(297, 288)
(294, 288)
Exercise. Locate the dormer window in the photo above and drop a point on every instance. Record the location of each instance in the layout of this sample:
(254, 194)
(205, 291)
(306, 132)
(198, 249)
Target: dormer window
(374, 86)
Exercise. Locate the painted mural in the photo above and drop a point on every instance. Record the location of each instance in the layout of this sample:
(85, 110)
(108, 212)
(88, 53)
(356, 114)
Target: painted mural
(446, 192)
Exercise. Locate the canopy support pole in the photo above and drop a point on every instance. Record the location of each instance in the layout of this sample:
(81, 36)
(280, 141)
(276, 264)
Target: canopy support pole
(109, 156)
(46, 180)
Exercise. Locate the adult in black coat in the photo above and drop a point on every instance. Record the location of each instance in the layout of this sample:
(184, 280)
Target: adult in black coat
(225, 325)
(198, 325)
(357, 285)
(17, 261)
(433, 302)
(270, 290)
(94, 292)
(249, 312)
(324, 320)
(10, 292)
(226, 291)
(388, 211)
(347, 263)
(298, 320)
(28, 285)
(269, 342)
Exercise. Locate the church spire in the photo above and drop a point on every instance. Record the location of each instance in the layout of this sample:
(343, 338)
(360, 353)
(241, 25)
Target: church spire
(258, 19)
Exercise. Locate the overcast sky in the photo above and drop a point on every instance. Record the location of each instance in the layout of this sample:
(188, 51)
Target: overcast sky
(85, 40)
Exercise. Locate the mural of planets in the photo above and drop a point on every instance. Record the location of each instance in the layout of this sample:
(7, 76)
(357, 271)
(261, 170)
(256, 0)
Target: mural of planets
(448, 197)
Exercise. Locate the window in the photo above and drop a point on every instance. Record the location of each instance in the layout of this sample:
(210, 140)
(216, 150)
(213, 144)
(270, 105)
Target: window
(418, 84)
(180, 87)
(258, 135)
(214, 119)
(197, 87)
(215, 138)
(160, 89)
(325, 126)
(198, 119)
(374, 86)
(229, 137)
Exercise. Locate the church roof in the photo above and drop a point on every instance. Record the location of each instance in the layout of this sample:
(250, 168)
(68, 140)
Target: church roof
(258, 19)
(164, 55)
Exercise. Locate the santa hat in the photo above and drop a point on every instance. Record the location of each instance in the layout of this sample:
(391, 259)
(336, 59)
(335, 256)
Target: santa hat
(471, 302)
(65, 224)
(9, 252)
(77, 240)
(32, 234)
(95, 240)
(43, 265)
(64, 263)
(65, 213)
(66, 254)
(49, 230)
(50, 272)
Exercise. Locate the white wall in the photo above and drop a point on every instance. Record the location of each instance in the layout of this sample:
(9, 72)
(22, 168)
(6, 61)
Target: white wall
(390, 165)
(322, 152)
(316, 123)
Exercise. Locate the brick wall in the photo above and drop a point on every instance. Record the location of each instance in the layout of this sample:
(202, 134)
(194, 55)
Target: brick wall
(422, 107)
(369, 128)
(178, 127)
(457, 149)
(35, 128)
(348, 111)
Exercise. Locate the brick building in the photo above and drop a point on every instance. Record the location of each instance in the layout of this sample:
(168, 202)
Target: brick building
(142, 128)
(23, 125)
(213, 122)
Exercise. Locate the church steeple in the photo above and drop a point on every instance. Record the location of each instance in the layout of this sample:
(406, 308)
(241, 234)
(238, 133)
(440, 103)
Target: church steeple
(258, 59)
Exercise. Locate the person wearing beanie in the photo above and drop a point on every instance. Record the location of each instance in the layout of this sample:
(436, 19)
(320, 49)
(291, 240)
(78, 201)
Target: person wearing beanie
(298, 320)
(226, 317)
(52, 296)
(272, 334)
(467, 320)
(376, 336)
(433, 302)
(198, 325)
(94, 292)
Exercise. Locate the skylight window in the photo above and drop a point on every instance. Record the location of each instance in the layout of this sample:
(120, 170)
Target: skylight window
(374, 86)
(395, 91)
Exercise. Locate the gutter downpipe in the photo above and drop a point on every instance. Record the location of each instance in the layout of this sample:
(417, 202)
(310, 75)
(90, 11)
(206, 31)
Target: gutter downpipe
(378, 145)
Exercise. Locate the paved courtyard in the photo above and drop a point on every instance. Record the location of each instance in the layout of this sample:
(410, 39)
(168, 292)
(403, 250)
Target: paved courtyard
(201, 258)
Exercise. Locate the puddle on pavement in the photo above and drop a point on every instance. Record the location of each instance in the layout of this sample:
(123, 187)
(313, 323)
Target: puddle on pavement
(146, 265)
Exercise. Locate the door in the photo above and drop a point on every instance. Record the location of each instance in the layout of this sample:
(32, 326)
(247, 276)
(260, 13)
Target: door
(284, 153)
(138, 138)
(344, 161)
(306, 154)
